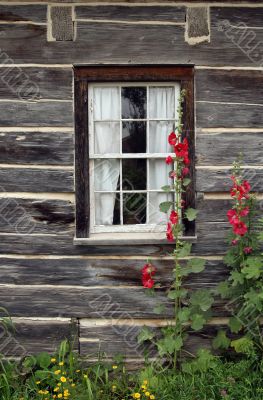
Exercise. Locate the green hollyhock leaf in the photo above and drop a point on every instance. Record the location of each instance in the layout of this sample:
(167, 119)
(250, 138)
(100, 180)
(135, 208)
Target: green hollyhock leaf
(145, 334)
(191, 214)
(237, 278)
(159, 309)
(252, 268)
(196, 265)
(243, 345)
(169, 345)
(165, 206)
(185, 250)
(198, 322)
(202, 298)
(223, 289)
(234, 325)
(183, 315)
(186, 181)
(44, 360)
(176, 294)
(221, 341)
(166, 188)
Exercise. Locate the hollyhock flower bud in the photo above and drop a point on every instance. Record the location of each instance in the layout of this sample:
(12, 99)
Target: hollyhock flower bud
(234, 242)
(185, 171)
(172, 174)
(169, 160)
(248, 250)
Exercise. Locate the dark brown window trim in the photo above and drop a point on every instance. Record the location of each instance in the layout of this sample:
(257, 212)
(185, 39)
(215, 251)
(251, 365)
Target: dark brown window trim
(83, 75)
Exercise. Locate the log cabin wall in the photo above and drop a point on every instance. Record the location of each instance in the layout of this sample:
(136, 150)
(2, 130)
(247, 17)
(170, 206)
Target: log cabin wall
(53, 288)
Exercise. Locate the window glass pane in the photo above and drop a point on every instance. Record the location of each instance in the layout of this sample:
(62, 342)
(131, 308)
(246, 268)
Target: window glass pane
(154, 215)
(159, 174)
(106, 175)
(158, 136)
(161, 102)
(133, 100)
(106, 103)
(107, 137)
(134, 137)
(134, 208)
(107, 209)
(134, 174)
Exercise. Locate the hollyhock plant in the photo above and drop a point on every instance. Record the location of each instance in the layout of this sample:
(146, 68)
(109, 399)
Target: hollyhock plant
(172, 139)
(148, 271)
(169, 232)
(169, 160)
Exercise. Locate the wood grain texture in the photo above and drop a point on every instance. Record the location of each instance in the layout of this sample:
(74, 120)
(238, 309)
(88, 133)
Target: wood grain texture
(79, 302)
(218, 180)
(35, 180)
(211, 241)
(14, 13)
(252, 17)
(225, 115)
(229, 86)
(197, 22)
(36, 148)
(222, 149)
(33, 114)
(24, 216)
(110, 339)
(49, 83)
(147, 44)
(34, 336)
(124, 13)
(99, 272)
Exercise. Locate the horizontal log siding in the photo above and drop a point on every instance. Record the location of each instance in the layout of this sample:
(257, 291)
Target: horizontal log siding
(43, 275)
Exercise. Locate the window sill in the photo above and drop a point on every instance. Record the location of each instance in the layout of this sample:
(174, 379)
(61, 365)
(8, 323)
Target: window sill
(129, 239)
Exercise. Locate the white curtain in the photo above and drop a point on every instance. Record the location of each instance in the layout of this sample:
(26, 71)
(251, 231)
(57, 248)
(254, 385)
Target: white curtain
(162, 104)
(107, 140)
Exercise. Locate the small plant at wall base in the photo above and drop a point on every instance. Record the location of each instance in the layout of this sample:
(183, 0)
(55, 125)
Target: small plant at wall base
(190, 307)
(244, 288)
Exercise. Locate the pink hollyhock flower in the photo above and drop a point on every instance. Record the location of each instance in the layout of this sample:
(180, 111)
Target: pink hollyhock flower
(232, 217)
(172, 139)
(248, 250)
(174, 217)
(240, 228)
(185, 171)
(234, 242)
(169, 160)
(169, 232)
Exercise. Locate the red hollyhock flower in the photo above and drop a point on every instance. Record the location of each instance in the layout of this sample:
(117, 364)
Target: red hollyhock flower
(181, 150)
(232, 217)
(244, 212)
(174, 217)
(148, 282)
(185, 171)
(246, 186)
(172, 139)
(248, 250)
(240, 228)
(186, 160)
(169, 160)
(169, 232)
(149, 269)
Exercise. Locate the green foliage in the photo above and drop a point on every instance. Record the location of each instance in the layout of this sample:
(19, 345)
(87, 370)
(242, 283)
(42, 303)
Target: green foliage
(191, 214)
(165, 206)
(221, 341)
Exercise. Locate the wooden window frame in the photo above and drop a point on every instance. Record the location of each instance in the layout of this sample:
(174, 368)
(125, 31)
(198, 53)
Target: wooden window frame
(85, 75)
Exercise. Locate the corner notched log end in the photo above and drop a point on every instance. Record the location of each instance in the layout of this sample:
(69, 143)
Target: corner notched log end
(197, 29)
(60, 24)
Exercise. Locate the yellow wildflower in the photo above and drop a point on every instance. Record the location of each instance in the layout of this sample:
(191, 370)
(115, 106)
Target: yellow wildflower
(63, 379)
(73, 384)
(60, 395)
(61, 363)
(57, 372)
(85, 376)
(56, 389)
(59, 384)
(114, 366)
(38, 382)
(145, 382)
(53, 360)
(137, 395)
(152, 397)
(147, 394)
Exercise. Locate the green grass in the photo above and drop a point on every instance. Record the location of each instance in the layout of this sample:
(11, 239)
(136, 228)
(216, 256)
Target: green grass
(213, 380)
